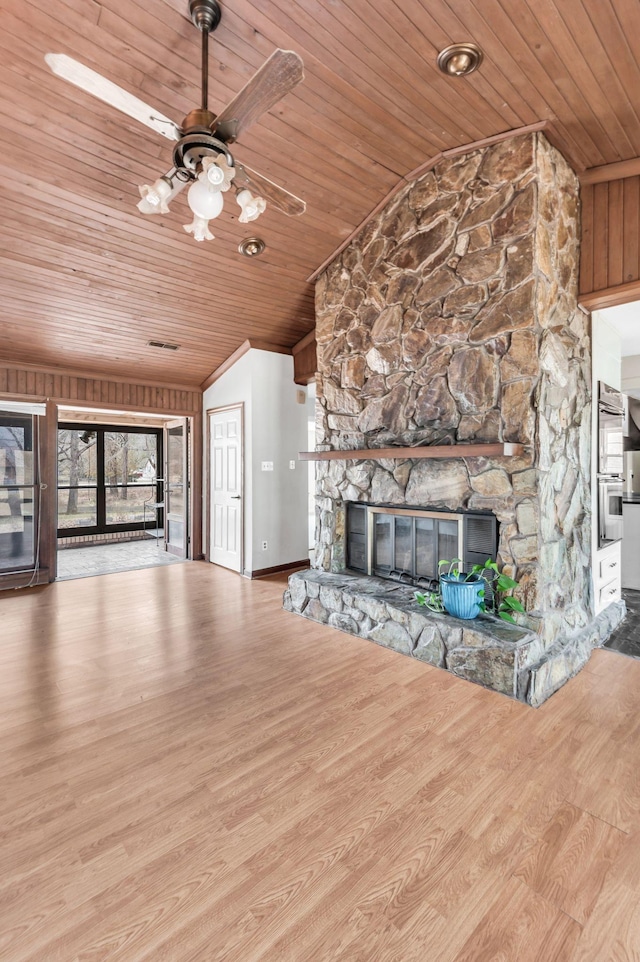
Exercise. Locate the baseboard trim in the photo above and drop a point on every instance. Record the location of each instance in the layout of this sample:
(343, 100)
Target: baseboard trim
(276, 569)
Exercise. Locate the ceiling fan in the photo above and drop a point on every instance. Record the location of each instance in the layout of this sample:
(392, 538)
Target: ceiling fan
(201, 156)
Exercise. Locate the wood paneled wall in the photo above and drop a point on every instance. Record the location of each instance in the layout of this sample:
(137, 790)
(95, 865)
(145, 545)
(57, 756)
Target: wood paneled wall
(305, 359)
(66, 386)
(610, 253)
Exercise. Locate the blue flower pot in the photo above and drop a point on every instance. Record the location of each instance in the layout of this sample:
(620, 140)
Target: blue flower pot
(461, 597)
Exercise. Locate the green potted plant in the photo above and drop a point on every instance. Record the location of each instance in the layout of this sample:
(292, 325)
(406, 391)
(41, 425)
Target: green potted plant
(484, 588)
(500, 601)
(462, 594)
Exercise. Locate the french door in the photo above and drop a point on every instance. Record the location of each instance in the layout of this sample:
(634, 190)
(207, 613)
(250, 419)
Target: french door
(176, 487)
(106, 473)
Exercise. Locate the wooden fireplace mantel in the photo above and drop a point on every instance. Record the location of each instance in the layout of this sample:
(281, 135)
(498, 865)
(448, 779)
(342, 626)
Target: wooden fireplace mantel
(499, 450)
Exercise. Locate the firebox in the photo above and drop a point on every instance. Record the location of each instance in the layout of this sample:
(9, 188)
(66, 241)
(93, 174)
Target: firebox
(405, 544)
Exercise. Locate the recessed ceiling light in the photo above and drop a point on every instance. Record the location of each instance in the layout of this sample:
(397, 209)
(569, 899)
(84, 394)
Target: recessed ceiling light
(251, 246)
(460, 59)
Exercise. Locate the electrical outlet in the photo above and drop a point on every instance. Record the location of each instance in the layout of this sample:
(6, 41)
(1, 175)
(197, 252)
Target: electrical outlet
(264, 546)
(292, 465)
(267, 465)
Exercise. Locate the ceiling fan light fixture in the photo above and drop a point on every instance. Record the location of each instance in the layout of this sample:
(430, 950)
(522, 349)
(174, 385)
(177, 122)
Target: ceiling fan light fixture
(202, 160)
(205, 202)
(199, 227)
(215, 176)
(460, 59)
(251, 207)
(218, 171)
(154, 197)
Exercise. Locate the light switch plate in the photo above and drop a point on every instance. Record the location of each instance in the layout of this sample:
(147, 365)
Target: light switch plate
(292, 465)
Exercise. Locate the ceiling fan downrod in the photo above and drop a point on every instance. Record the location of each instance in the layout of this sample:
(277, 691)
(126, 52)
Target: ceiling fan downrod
(206, 15)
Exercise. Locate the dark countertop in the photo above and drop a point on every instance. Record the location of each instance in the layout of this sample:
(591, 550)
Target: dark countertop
(631, 498)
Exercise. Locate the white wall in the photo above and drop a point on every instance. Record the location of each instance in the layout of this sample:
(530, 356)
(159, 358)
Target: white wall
(279, 434)
(631, 373)
(311, 465)
(607, 353)
(275, 429)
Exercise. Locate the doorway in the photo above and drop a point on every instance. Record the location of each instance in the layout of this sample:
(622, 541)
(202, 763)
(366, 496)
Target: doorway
(123, 486)
(107, 474)
(616, 375)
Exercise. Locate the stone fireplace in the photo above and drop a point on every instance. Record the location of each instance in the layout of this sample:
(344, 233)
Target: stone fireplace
(453, 318)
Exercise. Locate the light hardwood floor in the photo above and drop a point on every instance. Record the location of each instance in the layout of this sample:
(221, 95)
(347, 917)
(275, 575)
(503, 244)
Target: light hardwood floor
(191, 773)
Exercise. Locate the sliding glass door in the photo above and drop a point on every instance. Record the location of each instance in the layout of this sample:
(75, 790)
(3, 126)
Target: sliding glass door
(106, 473)
(17, 492)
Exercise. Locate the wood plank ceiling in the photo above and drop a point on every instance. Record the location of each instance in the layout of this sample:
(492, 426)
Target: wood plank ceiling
(86, 280)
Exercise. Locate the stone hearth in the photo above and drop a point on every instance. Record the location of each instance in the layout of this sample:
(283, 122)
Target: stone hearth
(506, 658)
(453, 317)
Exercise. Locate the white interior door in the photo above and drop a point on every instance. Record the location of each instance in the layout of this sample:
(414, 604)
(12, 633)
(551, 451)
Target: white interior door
(225, 484)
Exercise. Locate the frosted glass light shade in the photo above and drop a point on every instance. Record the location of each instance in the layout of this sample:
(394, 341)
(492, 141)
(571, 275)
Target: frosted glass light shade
(199, 227)
(218, 172)
(203, 201)
(251, 206)
(215, 176)
(155, 197)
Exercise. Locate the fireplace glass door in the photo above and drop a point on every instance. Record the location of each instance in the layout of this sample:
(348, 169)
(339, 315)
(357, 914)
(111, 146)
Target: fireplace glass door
(426, 547)
(403, 555)
(383, 543)
(406, 546)
(357, 538)
(436, 540)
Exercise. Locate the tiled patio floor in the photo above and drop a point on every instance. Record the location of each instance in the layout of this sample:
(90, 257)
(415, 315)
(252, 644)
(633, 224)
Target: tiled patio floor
(108, 558)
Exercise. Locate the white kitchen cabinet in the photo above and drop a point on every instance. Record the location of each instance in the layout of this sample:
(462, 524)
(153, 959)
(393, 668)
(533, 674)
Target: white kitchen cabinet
(607, 580)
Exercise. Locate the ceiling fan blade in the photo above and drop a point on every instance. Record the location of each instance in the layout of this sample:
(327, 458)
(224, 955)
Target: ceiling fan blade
(277, 196)
(283, 71)
(93, 83)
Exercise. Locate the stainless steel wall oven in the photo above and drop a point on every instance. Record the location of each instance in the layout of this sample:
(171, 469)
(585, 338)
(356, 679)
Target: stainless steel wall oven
(611, 427)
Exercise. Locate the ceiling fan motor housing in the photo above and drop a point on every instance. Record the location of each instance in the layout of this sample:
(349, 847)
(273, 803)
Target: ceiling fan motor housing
(199, 121)
(191, 150)
(205, 14)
